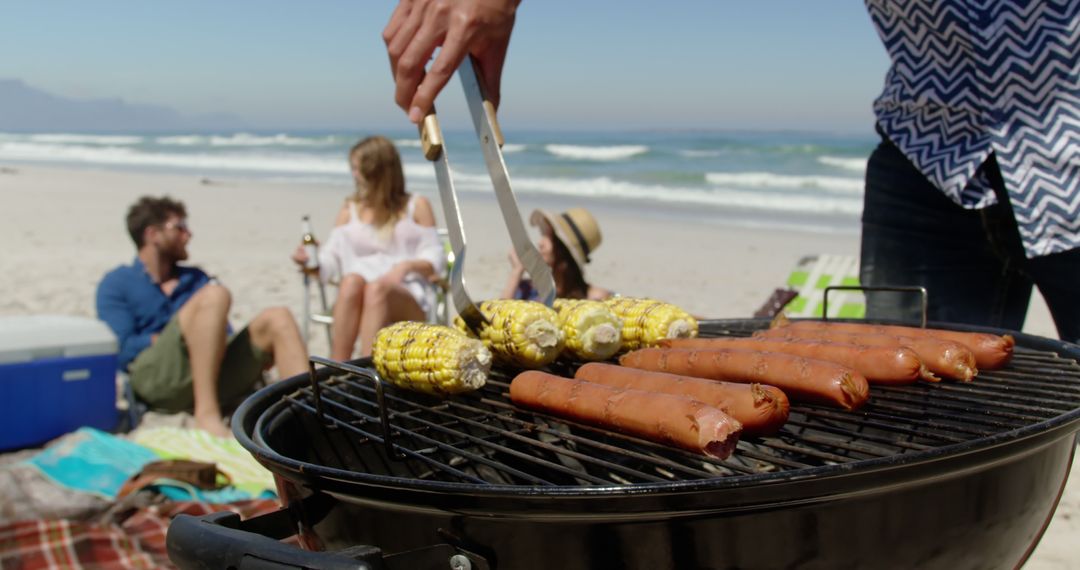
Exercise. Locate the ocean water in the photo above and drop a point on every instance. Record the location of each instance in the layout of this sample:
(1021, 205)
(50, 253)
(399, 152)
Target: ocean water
(809, 181)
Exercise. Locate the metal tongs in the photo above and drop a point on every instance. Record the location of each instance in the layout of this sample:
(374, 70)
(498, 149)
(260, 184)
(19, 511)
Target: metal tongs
(491, 141)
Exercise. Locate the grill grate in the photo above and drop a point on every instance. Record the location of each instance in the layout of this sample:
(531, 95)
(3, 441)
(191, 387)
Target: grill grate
(483, 439)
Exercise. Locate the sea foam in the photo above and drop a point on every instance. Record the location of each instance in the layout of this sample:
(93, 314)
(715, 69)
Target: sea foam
(597, 153)
(244, 140)
(852, 164)
(768, 180)
(63, 138)
(126, 156)
(606, 187)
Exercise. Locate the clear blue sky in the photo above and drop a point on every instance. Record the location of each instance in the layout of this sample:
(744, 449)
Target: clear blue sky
(606, 64)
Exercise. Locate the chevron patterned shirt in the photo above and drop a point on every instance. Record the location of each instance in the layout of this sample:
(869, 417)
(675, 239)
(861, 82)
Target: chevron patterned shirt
(971, 77)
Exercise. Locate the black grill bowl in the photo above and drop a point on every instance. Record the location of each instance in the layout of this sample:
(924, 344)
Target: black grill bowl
(982, 502)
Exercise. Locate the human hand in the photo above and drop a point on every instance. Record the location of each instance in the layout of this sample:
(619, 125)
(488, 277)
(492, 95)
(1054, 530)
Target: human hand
(397, 273)
(480, 28)
(300, 256)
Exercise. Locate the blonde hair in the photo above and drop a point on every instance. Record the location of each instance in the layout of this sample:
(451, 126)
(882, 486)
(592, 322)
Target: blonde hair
(382, 182)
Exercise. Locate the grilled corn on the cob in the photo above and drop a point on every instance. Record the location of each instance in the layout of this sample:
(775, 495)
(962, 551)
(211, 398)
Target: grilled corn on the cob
(648, 321)
(519, 333)
(428, 358)
(591, 331)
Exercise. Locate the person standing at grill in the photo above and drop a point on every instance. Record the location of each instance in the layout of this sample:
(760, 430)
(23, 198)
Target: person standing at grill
(566, 241)
(172, 324)
(384, 251)
(974, 191)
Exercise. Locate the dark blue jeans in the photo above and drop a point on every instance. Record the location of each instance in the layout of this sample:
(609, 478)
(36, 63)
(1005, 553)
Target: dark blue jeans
(970, 261)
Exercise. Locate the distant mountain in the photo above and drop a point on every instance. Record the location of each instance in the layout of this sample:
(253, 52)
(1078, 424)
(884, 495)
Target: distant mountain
(25, 108)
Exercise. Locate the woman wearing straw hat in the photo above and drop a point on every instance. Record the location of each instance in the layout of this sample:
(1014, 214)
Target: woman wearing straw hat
(566, 241)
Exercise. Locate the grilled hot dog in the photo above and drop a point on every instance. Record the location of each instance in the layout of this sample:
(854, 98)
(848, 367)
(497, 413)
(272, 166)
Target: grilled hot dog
(879, 364)
(943, 357)
(664, 418)
(991, 351)
(760, 409)
(799, 377)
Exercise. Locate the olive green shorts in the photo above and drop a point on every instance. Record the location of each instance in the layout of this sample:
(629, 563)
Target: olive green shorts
(161, 374)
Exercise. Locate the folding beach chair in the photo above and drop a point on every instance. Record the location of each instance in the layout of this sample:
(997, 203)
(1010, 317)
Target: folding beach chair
(805, 287)
(439, 313)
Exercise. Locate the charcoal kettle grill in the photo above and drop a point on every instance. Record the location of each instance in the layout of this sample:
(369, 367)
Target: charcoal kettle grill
(948, 475)
(944, 475)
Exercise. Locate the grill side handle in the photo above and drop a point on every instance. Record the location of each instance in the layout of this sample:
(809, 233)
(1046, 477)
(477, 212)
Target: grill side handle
(217, 541)
(867, 288)
(222, 540)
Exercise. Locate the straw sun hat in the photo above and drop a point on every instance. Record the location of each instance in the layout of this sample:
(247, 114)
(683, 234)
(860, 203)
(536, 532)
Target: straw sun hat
(576, 228)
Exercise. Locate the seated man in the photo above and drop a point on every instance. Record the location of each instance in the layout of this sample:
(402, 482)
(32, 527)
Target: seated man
(172, 324)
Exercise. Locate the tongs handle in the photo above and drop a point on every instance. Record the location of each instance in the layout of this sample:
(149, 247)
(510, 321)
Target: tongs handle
(431, 140)
(489, 112)
(491, 140)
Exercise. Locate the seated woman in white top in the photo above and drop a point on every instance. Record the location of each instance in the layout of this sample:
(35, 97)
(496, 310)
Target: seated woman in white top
(384, 250)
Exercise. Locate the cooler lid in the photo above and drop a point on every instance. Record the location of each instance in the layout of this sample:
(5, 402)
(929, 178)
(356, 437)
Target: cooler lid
(26, 338)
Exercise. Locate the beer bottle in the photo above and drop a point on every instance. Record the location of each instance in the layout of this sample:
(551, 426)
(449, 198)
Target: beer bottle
(311, 248)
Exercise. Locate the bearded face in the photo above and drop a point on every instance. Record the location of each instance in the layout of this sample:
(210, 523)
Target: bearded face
(172, 237)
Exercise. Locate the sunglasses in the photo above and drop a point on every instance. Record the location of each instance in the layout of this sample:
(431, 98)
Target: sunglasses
(180, 225)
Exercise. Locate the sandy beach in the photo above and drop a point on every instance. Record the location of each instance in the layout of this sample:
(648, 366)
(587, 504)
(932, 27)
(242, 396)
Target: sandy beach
(63, 229)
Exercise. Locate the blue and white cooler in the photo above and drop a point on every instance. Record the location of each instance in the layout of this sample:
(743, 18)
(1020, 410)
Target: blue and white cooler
(57, 374)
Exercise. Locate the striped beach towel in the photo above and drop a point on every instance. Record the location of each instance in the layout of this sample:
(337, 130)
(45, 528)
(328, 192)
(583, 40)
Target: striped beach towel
(247, 475)
(816, 272)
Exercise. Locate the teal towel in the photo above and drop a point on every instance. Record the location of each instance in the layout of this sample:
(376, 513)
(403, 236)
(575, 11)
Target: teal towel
(180, 491)
(92, 461)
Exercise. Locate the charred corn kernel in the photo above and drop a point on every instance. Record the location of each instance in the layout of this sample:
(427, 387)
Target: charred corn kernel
(648, 321)
(519, 333)
(434, 359)
(591, 331)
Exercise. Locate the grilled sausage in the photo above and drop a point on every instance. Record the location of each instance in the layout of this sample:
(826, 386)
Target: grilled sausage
(799, 377)
(943, 357)
(991, 351)
(879, 364)
(760, 409)
(664, 418)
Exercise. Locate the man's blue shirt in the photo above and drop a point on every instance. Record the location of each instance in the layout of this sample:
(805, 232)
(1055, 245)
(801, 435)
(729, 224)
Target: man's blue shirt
(135, 307)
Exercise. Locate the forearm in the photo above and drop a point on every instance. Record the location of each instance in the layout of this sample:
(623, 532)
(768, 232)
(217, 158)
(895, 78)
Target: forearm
(422, 267)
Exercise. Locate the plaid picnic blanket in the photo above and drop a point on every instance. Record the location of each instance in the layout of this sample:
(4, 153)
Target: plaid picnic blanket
(136, 541)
